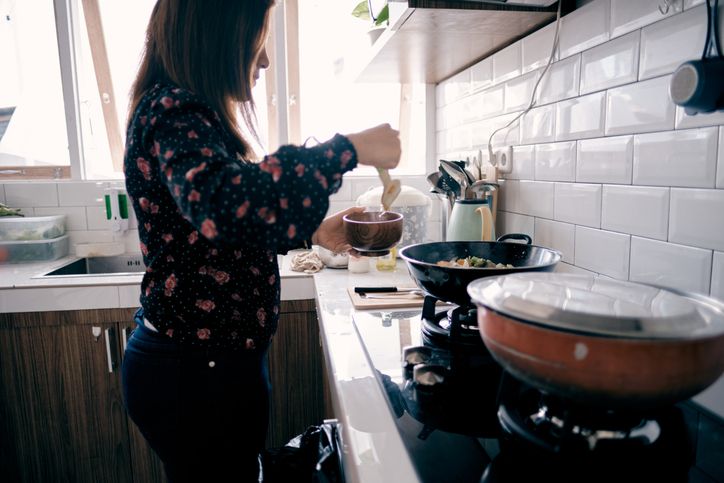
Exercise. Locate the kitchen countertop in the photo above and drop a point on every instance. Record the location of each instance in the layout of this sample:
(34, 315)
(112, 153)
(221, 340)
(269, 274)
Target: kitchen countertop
(374, 450)
(22, 291)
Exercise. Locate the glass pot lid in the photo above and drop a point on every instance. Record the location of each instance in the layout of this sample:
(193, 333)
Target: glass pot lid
(600, 306)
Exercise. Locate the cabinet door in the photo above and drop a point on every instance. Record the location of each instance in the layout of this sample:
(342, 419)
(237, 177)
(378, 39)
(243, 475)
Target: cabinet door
(145, 465)
(60, 402)
(295, 370)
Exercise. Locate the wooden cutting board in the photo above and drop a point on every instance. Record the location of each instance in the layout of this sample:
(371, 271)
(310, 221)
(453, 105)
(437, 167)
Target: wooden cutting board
(386, 303)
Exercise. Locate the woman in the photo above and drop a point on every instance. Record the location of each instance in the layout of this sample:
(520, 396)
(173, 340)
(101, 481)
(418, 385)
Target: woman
(211, 223)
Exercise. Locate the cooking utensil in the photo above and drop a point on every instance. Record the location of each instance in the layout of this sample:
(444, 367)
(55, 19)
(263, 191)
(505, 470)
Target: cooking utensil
(449, 283)
(457, 173)
(390, 188)
(383, 303)
(602, 342)
(384, 289)
(388, 296)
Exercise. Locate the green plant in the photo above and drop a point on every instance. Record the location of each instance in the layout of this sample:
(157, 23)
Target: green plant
(362, 11)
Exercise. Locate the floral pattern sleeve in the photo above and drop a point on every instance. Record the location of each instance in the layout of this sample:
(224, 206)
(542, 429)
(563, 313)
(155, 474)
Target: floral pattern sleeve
(278, 202)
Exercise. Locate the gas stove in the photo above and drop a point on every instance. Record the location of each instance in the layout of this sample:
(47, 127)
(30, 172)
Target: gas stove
(462, 418)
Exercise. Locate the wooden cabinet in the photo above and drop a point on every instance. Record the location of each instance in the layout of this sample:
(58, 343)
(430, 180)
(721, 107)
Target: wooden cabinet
(60, 399)
(62, 417)
(296, 370)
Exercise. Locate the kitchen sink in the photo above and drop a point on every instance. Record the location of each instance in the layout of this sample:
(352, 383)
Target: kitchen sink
(100, 266)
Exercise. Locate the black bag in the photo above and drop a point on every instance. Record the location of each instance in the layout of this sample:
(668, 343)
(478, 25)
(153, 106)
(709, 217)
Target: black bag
(313, 456)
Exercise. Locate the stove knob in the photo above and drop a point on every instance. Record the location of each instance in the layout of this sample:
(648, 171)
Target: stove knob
(414, 355)
(428, 375)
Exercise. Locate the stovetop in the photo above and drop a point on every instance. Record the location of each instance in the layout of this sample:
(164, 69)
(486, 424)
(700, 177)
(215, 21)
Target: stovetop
(463, 419)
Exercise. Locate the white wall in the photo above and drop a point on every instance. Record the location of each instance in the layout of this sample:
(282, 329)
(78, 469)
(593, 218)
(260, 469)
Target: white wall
(606, 168)
(82, 202)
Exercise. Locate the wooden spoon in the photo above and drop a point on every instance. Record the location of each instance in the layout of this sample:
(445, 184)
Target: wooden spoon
(390, 188)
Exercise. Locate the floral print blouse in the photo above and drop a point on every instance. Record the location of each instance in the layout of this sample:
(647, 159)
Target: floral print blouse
(211, 225)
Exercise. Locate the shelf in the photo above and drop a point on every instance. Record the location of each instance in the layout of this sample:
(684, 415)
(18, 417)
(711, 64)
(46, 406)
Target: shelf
(427, 44)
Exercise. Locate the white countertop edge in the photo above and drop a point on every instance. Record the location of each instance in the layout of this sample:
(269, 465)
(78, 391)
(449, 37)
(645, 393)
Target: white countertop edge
(373, 448)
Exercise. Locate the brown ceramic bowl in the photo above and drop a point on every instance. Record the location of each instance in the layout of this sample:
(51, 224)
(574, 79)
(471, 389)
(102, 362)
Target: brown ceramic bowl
(373, 233)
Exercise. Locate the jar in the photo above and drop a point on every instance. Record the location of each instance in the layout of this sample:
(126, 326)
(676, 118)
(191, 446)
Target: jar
(358, 264)
(387, 263)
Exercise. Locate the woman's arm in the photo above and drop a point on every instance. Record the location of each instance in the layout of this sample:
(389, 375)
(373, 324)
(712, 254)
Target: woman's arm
(276, 203)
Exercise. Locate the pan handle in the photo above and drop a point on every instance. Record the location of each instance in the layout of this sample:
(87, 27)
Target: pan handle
(517, 236)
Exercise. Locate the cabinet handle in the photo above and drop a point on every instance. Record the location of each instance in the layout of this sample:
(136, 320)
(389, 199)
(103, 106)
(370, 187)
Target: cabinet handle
(109, 352)
(124, 337)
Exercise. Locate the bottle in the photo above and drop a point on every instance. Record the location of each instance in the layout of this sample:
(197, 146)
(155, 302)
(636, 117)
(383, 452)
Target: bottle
(387, 263)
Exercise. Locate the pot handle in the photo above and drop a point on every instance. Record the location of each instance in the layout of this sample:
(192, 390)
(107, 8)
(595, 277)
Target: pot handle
(517, 236)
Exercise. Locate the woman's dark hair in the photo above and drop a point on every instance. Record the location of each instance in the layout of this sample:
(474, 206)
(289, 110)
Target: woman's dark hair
(210, 48)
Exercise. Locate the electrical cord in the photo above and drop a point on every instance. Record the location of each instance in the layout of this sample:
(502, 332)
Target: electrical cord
(491, 157)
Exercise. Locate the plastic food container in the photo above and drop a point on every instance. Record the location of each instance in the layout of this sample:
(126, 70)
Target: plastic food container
(18, 228)
(33, 250)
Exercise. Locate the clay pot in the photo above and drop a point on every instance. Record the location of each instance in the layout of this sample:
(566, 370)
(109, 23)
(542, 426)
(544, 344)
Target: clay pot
(373, 233)
(641, 354)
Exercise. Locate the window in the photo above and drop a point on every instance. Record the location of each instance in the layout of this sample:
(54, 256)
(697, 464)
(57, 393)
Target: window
(33, 137)
(332, 102)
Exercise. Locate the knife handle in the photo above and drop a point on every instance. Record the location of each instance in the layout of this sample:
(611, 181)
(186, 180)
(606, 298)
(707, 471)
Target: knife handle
(374, 289)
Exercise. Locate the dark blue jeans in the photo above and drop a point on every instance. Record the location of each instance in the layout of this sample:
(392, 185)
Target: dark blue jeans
(205, 413)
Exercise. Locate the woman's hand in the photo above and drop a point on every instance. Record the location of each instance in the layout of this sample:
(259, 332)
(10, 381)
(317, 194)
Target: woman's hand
(330, 233)
(378, 146)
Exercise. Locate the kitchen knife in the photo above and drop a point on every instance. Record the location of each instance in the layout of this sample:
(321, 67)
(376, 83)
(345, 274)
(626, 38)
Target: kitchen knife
(383, 289)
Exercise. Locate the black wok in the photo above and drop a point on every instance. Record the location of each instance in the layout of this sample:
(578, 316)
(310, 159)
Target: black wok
(450, 283)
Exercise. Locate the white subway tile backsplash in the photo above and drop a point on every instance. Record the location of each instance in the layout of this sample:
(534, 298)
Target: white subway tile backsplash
(555, 235)
(627, 15)
(96, 216)
(508, 195)
(555, 161)
(670, 265)
(518, 92)
(684, 120)
(482, 74)
(692, 3)
(582, 117)
(536, 198)
(132, 242)
(603, 252)
(507, 63)
(91, 236)
(720, 163)
(78, 193)
(636, 210)
(459, 138)
(667, 44)
(697, 218)
(514, 223)
(585, 27)
(75, 218)
(537, 48)
(568, 268)
(523, 163)
(561, 81)
(578, 203)
(641, 107)
(506, 136)
(538, 125)
(31, 194)
(487, 103)
(605, 160)
(611, 64)
(717, 276)
(676, 158)
(454, 88)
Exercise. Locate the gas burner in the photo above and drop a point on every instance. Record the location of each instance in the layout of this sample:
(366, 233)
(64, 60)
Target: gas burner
(549, 430)
(454, 329)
